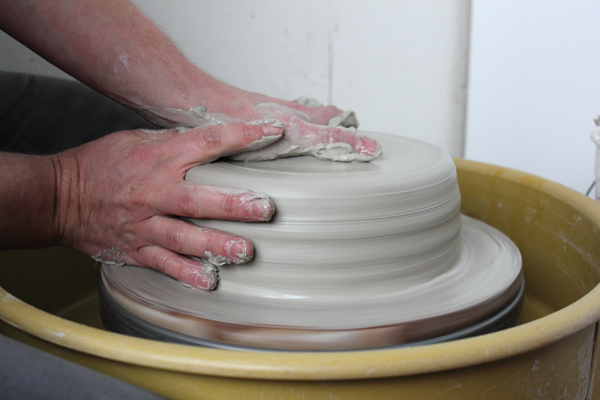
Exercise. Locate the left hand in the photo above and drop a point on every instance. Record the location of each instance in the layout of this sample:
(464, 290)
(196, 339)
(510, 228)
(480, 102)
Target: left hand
(118, 197)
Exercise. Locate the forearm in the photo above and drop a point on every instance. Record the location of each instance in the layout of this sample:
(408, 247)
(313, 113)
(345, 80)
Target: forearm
(112, 47)
(27, 201)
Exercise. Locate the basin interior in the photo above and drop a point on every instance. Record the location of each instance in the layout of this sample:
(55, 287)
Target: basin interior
(556, 230)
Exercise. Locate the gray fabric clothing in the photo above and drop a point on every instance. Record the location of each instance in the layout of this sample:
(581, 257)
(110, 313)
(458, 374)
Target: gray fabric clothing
(42, 115)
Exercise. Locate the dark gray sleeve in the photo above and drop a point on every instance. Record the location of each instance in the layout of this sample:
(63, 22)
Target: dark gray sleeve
(43, 115)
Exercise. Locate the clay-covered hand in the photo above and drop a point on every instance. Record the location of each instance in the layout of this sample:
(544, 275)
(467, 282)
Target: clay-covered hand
(119, 198)
(324, 132)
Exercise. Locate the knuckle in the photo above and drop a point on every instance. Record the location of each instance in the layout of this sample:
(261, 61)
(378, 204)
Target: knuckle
(214, 241)
(249, 133)
(143, 153)
(209, 139)
(229, 204)
(188, 202)
(162, 262)
(175, 237)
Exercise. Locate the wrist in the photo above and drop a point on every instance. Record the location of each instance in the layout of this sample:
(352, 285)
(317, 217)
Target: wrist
(66, 204)
(27, 201)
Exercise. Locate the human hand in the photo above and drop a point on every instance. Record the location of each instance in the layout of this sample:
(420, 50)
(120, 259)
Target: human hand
(118, 197)
(324, 132)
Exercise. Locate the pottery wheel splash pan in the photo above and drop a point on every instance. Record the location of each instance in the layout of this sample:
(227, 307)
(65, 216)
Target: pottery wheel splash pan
(115, 318)
(358, 256)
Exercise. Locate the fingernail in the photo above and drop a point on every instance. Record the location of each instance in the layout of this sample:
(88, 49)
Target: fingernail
(271, 127)
(262, 208)
(208, 278)
(239, 251)
(205, 277)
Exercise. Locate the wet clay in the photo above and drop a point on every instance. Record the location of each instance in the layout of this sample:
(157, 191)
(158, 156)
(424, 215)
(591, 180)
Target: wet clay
(352, 246)
(295, 141)
(301, 139)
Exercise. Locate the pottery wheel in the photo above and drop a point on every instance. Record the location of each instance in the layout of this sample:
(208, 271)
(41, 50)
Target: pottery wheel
(358, 255)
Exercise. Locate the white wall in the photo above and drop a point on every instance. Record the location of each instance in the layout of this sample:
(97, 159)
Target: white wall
(401, 65)
(534, 87)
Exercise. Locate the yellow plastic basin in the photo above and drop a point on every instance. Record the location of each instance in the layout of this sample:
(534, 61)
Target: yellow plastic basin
(48, 299)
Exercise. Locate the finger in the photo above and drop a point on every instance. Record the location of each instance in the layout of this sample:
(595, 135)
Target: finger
(316, 134)
(184, 237)
(216, 202)
(202, 145)
(191, 272)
